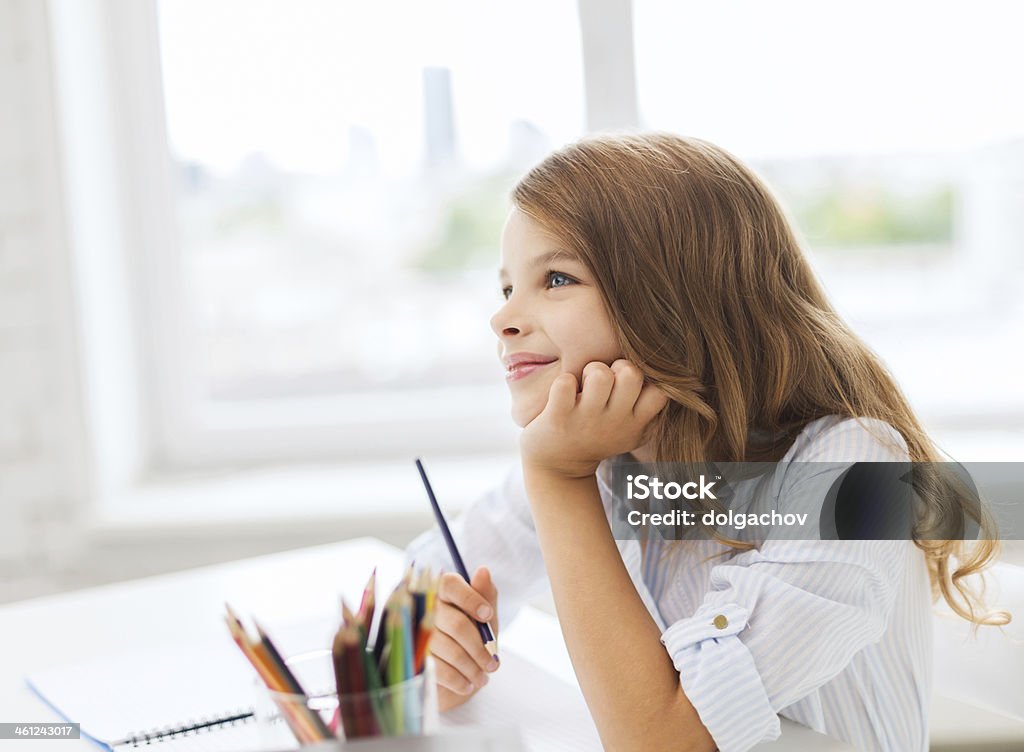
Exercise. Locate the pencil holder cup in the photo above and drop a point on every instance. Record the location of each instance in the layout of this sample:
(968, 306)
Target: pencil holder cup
(407, 708)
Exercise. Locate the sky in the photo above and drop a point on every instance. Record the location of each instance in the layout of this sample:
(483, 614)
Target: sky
(289, 78)
(789, 77)
(799, 77)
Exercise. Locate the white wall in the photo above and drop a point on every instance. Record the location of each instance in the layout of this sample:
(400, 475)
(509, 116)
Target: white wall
(41, 438)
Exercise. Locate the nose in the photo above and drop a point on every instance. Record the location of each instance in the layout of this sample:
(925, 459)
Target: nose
(506, 322)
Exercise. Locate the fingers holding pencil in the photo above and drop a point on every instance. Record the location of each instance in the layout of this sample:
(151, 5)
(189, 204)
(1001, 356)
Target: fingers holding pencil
(482, 583)
(486, 633)
(473, 603)
(464, 605)
(461, 594)
(468, 675)
(463, 660)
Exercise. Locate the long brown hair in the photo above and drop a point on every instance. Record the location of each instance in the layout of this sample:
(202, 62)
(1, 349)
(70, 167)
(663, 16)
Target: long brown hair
(713, 298)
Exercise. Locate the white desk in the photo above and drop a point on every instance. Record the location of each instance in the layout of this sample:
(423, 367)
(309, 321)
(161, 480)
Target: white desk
(188, 605)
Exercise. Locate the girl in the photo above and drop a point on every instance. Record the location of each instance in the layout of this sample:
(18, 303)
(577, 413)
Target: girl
(658, 307)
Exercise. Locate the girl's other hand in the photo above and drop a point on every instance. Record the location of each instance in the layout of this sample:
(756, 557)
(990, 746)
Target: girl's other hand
(463, 662)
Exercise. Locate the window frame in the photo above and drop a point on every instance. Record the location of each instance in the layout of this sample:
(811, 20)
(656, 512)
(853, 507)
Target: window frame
(172, 430)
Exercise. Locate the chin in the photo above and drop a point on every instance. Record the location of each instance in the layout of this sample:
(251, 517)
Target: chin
(523, 414)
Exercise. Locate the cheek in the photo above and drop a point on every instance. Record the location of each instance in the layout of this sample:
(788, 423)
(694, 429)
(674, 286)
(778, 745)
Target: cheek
(606, 350)
(587, 337)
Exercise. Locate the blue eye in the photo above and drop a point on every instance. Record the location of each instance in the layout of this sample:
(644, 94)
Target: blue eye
(553, 279)
(553, 276)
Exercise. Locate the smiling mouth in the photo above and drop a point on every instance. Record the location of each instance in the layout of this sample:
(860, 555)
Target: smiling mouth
(522, 370)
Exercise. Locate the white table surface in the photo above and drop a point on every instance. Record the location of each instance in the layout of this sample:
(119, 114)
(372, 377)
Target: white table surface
(184, 606)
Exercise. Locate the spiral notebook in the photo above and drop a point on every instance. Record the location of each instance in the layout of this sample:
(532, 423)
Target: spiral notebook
(138, 697)
(187, 696)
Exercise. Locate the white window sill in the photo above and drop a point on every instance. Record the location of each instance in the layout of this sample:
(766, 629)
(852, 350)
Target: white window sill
(300, 498)
(296, 497)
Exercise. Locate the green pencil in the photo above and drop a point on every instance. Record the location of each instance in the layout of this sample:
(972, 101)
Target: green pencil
(396, 662)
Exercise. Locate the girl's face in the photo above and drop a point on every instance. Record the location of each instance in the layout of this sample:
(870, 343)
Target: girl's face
(553, 320)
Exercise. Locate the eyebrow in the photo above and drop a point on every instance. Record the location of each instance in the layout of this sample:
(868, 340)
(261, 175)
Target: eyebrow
(558, 254)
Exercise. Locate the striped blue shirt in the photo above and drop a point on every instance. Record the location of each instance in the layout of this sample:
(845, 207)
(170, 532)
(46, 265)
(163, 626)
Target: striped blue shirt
(835, 635)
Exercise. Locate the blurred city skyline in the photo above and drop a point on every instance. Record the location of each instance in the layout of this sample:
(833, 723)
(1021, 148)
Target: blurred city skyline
(238, 84)
(340, 201)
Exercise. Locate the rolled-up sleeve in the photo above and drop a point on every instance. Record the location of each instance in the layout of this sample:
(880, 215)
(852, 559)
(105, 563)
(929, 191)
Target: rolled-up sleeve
(778, 622)
(719, 676)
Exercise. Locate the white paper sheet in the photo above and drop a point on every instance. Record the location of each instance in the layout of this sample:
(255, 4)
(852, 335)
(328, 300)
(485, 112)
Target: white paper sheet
(551, 714)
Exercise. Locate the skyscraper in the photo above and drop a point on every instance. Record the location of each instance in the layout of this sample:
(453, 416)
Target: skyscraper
(439, 117)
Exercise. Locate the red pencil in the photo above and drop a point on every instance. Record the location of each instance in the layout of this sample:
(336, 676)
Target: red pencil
(367, 603)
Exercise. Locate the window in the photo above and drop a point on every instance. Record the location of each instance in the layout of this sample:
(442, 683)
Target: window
(890, 136)
(308, 197)
(340, 184)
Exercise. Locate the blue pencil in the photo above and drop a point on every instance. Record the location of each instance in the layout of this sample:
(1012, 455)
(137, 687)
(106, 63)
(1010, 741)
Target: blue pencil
(411, 717)
(485, 630)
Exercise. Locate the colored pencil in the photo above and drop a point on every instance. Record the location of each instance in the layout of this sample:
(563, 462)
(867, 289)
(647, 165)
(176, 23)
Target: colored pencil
(300, 724)
(343, 681)
(357, 710)
(407, 628)
(293, 685)
(396, 663)
(366, 605)
(373, 686)
(426, 631)
(381, 637)
(486, 634)
(432, 590)
(294, 723)
(371, 676)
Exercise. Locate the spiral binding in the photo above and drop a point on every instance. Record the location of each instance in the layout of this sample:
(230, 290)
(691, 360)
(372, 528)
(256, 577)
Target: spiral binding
(202, 724)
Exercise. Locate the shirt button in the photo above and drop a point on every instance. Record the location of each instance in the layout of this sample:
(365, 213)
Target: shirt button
(721, 622)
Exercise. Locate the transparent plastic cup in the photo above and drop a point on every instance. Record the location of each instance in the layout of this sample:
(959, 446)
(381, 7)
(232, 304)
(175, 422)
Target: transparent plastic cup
(405, 709)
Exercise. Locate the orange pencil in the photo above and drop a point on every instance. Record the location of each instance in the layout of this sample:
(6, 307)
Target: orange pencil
(292, 685)
(302, 730)
(426, 631)
(242, 639)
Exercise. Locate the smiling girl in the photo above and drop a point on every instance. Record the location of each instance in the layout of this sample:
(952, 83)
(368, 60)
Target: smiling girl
(658, 306)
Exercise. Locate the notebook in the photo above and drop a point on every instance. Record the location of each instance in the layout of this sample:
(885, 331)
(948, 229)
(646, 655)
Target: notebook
(195, 696)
